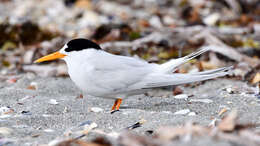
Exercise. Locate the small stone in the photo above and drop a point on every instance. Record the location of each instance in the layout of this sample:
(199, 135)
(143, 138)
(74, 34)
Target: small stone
(5, 131)
(28, 56)
(48, 130)
(5, 110)
(229, 102)
(182, 112)
(181, 96)
(211, 19)
(202, 100)
(88, 128)
(25, 98)
(168, 20)
(35, 135)
(26, 113)
(66, 109)
(229, 90)
(155, 22)
(192, 114)
(85, 123)
(53, 101)
(34, 85)
(96, 109)
(167, 112)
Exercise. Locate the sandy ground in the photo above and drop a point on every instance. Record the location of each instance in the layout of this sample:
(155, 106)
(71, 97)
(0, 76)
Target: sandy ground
(36, 119)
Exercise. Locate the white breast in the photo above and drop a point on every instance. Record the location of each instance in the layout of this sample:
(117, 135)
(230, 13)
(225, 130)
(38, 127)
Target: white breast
(81, 71)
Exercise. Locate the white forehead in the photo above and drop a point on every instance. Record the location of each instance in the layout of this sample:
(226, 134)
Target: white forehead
(62, 50)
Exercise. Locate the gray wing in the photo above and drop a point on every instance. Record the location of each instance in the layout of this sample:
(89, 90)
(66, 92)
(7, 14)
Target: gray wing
(117, 74)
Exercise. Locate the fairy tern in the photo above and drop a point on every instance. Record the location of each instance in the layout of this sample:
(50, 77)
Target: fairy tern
(101, 74)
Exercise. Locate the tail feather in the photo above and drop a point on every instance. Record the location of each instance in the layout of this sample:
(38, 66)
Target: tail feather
(177, 78)
(223, 69)
(172, 65)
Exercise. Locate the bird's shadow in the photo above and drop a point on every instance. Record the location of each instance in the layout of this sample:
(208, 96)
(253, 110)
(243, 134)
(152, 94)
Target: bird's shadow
(151, 107)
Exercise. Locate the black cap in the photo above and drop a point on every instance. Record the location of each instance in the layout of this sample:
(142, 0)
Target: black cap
(81, 44)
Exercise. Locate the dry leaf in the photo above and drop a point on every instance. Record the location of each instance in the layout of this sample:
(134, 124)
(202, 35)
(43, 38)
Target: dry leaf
(229, 122)
(13, 80)
(177, 90)
(256, 78)
(207, 65)
(170, 133)
(31, 87)
(86, 4)
(73, 142)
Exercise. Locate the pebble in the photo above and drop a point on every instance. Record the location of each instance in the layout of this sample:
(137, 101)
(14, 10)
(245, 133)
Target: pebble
(6, 141)
(34, 85)
(5, 131)
(182, 112)
(20, 126)
(181, 96)
(192, 114)
(211, 19)
(85, 123)
(167, 112)
(5, 116)
(26, 113)
(48, 130)
(90, 127)
(155, 22)
(113, 134)
(96, 109)
(202, 100)
(229, 90)
(5, 110)
(53, 101)
(168, 20)
(25, 98)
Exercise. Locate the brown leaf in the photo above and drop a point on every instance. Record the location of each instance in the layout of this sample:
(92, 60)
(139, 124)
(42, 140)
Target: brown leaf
(256, 78)
(228, 124)
(12, 80)
(86, 4)
(130, 139)
(169, 133)
(31, 87)
(177, 90)
(206, 65)
(73, 142)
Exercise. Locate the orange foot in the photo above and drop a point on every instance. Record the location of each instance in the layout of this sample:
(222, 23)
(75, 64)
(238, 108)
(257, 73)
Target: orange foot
(116, 105)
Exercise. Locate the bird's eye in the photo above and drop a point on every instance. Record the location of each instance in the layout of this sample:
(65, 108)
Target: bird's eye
(66, 49)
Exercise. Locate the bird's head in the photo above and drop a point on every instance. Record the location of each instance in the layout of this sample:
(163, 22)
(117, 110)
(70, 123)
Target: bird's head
(70, 49)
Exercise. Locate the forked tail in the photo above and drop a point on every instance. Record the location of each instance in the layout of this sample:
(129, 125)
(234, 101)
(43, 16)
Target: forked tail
(172, 65)
(160, 80)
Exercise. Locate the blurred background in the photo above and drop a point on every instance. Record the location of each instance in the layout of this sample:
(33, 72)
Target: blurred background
(154, 30)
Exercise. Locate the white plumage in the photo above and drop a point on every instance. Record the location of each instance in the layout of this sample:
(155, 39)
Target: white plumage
(102, 74)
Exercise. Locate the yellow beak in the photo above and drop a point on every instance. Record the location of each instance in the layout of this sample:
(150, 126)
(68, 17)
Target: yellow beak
(52, 56)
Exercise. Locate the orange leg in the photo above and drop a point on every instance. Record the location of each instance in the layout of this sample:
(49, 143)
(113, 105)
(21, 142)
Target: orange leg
(116, 104)
(119, 101)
